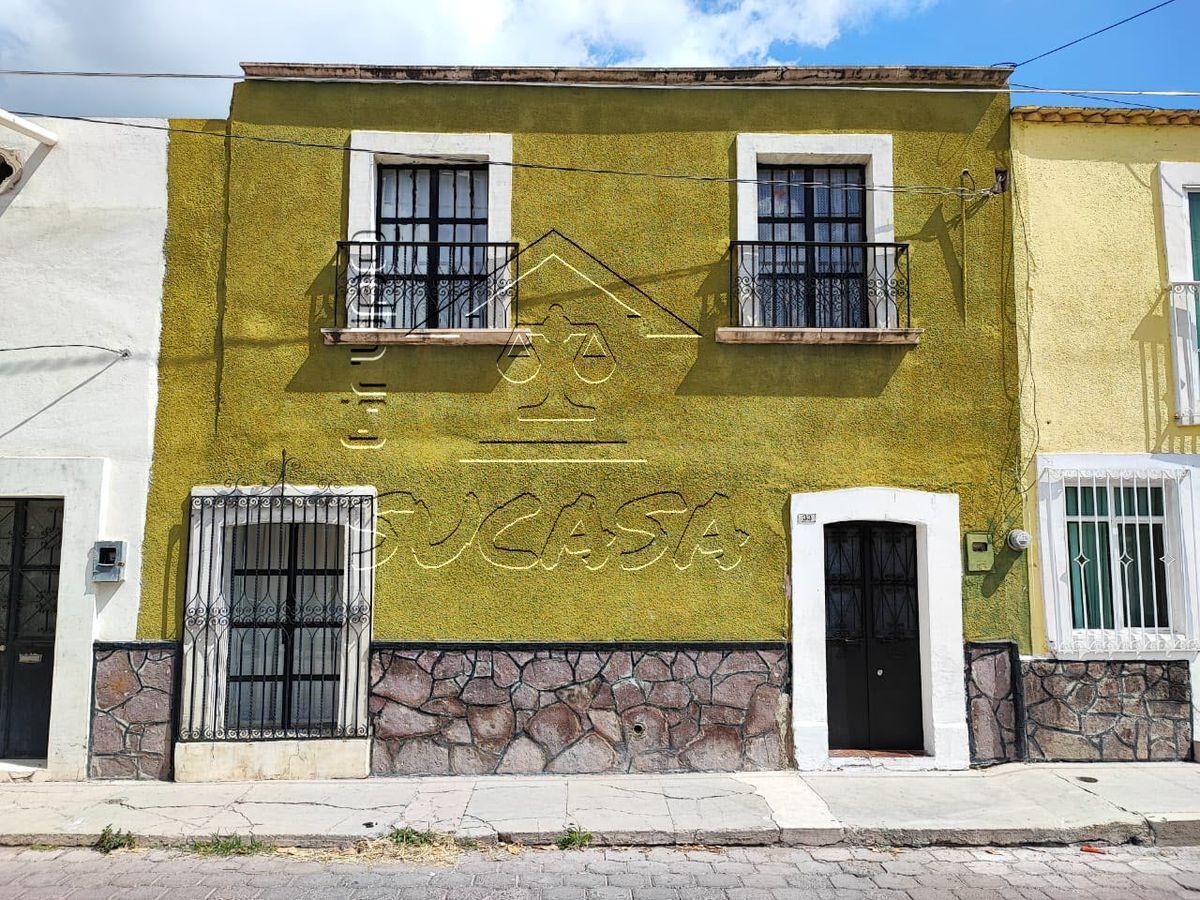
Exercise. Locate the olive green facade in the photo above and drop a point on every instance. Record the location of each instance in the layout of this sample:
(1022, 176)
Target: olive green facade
(676, 528)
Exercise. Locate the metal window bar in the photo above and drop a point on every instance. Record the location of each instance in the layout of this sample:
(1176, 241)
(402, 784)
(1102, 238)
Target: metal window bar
(391, 285)
(1123, 560)
(812, 266)
(431, 265)
(1183, 308)
(801, 284)
(277, 615)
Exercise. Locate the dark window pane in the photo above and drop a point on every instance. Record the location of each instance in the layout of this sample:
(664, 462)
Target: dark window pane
(283, 579)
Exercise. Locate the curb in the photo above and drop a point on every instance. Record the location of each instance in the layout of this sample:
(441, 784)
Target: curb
(1164, 831)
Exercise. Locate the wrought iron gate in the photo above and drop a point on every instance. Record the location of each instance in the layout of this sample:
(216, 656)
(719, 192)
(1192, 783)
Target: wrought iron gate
(278, 614)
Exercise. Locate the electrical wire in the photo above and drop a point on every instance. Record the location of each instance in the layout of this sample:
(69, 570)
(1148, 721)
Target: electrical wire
(123, 354)
(931, 190)
(1116, 100)
(67, 73)
(1080, 40)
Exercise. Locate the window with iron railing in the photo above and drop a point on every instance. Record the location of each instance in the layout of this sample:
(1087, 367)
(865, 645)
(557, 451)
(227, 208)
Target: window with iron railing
(812, 266)
(277, 620)
(431, 265)
(1119, 554)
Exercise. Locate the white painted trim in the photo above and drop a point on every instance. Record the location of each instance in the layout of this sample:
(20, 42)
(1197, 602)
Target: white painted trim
(266, 760)
(871, 150)
(1048, 521)
(427, 147)
(81, 483)
(939, 593)
(28, 129)
(1176, 180)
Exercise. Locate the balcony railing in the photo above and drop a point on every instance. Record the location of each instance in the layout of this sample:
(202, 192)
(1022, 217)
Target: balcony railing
(412, 286)
(804, 284)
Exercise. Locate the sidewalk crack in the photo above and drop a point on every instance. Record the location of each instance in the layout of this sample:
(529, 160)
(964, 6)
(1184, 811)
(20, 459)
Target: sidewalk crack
(1083, 786)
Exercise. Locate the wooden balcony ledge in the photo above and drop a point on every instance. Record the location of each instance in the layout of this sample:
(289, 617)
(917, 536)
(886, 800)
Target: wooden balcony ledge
(423, 337)
(750, 335)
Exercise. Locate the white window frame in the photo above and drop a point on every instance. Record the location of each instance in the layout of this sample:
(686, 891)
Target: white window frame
(872, 151)
(205, 667)
(1181, 483)
(371, 149)
(1176, 181)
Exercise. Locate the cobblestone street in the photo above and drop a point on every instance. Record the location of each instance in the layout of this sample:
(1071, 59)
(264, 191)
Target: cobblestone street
(621, 874)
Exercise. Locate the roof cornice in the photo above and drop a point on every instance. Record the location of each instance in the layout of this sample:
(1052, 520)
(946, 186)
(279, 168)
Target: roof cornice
(773, 76)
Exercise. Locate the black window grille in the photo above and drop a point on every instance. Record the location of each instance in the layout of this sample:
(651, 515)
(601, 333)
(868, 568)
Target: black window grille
(431, 265)
(812, 266)
(277, 621)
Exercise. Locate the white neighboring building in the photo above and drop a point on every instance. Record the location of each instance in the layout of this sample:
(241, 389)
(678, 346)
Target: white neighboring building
(81, 263)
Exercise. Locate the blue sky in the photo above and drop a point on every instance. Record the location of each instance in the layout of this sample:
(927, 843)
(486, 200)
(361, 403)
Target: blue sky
(175, 35)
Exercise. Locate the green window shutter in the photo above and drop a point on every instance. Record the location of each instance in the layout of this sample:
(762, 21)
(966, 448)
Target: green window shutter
(1194, 218)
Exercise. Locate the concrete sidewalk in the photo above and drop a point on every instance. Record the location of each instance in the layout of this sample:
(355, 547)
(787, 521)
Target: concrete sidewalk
(1015, 804)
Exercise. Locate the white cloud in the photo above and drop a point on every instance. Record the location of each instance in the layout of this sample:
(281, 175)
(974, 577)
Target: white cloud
(214, 35)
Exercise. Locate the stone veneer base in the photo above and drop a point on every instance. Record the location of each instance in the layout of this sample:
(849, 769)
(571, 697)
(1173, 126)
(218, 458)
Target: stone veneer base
(1113, 710)
(1044, 710)
(993, 704)
(133, 710)
(517, 710)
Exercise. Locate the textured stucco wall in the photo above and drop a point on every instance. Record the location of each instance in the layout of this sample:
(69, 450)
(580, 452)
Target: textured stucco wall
(245, 374)
(1090, 279)
(81, 262)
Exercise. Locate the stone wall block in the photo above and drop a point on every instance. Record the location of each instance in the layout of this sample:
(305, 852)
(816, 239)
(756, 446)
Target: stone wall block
(1110, 710)
(132, 712)
(571, 711)
(992, 703)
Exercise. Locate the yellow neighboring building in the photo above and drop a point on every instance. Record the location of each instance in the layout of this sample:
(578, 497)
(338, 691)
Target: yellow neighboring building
(1107, 232)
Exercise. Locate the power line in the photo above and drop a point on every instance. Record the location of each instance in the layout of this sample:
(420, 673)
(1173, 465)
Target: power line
(123, 354)
(1116, 100)
(933, 190)
(1080, 40)
(68, 73)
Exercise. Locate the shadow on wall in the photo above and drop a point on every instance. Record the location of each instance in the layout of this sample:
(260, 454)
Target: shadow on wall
(175, 573)
(779, 370)
(456, 370)
(734, 370)
(1153, 336)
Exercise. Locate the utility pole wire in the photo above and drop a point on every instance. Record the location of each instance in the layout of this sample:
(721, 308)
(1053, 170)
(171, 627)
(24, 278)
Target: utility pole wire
(1080, 40)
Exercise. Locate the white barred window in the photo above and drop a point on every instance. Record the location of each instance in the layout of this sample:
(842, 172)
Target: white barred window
(277, 622)
(1118, 554)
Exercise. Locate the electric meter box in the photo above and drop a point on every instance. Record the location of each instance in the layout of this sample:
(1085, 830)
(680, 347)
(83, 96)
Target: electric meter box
(981, 553)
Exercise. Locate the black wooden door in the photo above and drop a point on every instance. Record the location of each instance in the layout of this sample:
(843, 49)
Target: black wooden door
(30, 547)
(872, 643)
